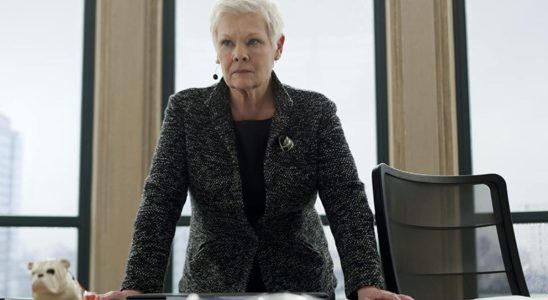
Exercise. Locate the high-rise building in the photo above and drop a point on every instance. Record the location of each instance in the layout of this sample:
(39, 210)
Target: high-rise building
(10, 154)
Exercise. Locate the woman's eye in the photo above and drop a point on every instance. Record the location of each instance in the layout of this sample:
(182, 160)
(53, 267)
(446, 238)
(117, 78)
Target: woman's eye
(226, 43)
(254, 42)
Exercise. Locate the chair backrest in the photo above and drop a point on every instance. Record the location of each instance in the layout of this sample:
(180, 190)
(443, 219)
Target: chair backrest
(446, 237)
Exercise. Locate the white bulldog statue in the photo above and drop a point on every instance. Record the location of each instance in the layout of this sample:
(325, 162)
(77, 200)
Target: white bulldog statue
(51, 280)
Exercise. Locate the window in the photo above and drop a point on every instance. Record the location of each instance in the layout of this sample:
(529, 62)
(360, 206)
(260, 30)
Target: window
(44, 152)
(507, 49)
(507, 54)
(40, 90)
(334, 58)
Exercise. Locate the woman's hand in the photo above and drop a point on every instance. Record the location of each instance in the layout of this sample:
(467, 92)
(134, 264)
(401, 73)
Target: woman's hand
(114, 295)
(373, 293)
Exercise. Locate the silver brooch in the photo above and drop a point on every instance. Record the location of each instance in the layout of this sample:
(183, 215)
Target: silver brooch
(285, 143)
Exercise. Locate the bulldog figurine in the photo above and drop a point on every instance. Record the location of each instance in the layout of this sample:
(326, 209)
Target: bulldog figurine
(51, 280)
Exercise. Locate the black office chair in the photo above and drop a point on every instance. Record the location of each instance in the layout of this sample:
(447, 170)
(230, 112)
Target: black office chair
(446, 237)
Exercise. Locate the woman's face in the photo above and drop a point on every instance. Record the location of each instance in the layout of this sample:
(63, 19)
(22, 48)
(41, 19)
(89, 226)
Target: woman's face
(245, 51)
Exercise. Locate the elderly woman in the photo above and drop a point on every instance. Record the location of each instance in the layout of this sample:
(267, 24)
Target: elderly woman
(253, 153)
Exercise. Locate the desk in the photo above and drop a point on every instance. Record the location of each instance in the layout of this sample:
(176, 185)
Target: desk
(232, 296)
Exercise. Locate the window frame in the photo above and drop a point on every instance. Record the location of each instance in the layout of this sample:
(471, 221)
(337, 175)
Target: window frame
(81, 222)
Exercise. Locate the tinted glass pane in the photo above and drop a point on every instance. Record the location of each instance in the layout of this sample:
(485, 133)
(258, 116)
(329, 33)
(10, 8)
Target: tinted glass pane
(180, 242)
(19, 246)
(533, 250)
(334, 58)
(339, 291)
(40, 102)
(507, 46)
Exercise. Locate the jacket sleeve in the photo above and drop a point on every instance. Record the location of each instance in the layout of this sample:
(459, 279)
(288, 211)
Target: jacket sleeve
(343, 196)
(162, 200)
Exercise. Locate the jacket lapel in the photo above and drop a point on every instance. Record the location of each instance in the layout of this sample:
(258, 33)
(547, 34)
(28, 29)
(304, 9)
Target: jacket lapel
(278, 127)
(219, 104)
(281, 117)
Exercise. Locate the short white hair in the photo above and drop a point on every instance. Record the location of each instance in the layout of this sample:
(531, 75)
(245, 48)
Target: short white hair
(268, 9)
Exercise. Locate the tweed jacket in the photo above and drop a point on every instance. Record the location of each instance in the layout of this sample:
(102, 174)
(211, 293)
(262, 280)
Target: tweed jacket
(197, 152)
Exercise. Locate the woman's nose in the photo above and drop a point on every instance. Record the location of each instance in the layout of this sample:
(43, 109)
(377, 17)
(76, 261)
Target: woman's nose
(240, 54)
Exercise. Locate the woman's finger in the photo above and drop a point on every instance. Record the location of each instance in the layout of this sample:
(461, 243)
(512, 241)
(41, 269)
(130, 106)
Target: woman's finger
(91, 296)
(113, 295)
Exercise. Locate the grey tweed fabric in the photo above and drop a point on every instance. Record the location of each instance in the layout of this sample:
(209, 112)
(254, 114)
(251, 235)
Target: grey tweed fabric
(196, 152)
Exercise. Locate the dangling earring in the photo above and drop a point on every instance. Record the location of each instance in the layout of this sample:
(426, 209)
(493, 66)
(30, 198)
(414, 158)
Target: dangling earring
(215, 77)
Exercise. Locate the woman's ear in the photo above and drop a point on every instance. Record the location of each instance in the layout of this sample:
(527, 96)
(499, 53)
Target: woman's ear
(279, 47)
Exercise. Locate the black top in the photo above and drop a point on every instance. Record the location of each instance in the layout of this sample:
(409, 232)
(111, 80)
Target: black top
(251, 139)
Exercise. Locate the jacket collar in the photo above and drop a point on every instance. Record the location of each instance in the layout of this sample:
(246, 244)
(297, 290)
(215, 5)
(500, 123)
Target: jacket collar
(219, 99)
(219, 106)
